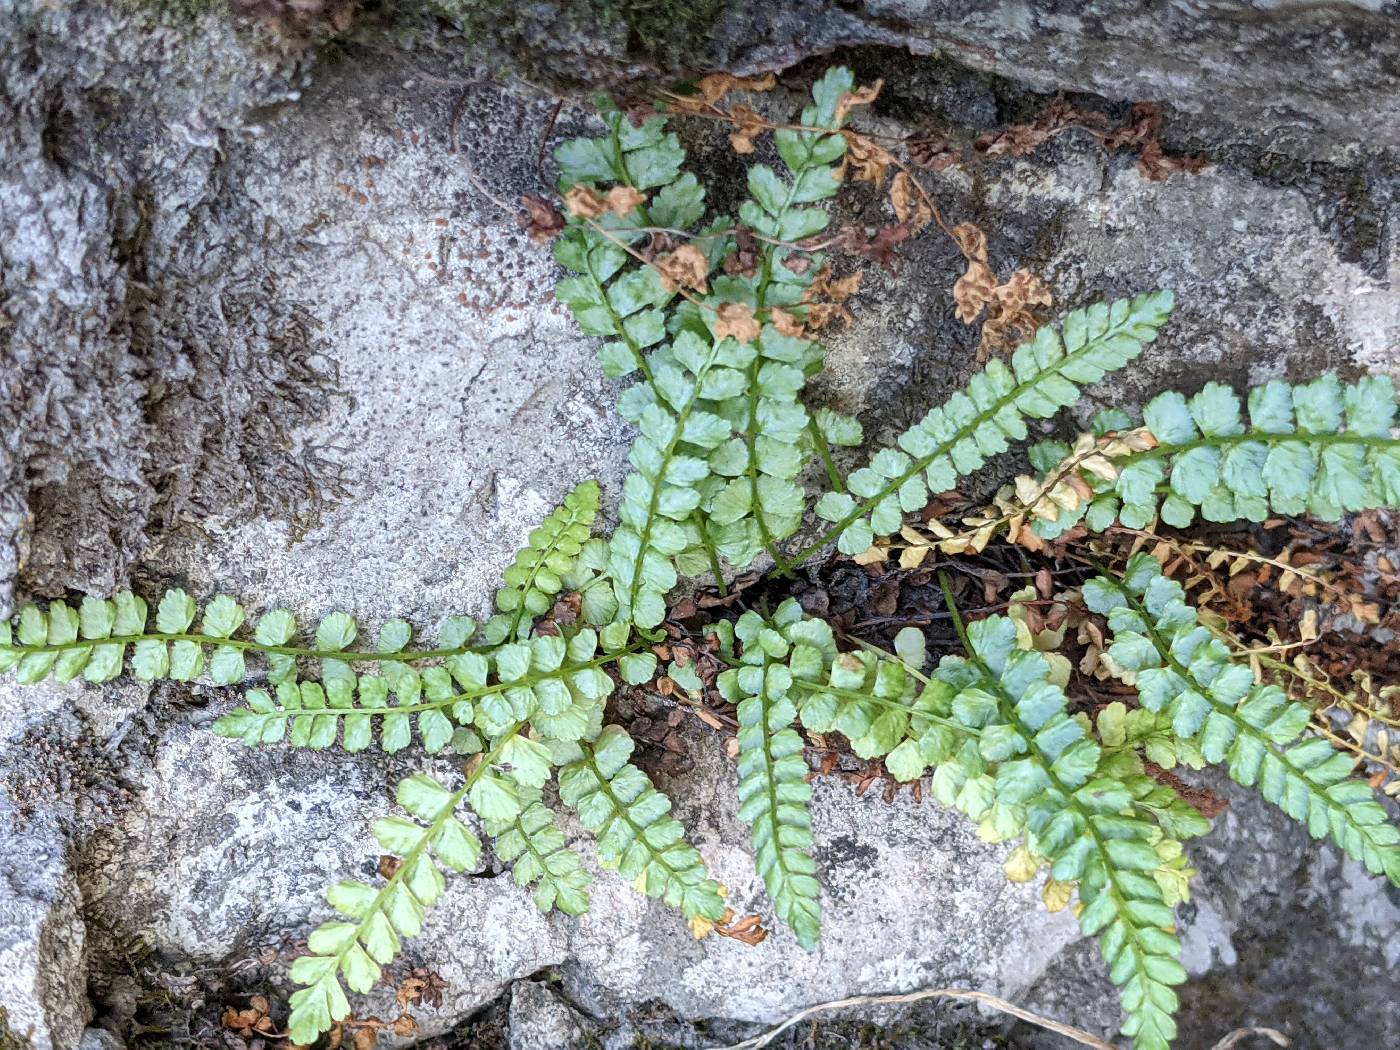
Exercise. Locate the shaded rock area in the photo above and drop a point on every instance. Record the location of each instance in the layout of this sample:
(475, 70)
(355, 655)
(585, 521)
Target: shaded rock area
(262, 332)
(1320, 80)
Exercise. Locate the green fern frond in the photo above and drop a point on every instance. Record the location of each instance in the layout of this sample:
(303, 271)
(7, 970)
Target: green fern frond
(956, 438)
(723, 432)
(1179, 668)
(1036, 770)
(535, 579)
(644, 157)
(756, 500)
(552, 682)
(773, 788)
(533, 845)
(95, 640)
(882, 704)
(1320, 448)
(354, 949)
(637, 836)
(670, 459)
(609, 299)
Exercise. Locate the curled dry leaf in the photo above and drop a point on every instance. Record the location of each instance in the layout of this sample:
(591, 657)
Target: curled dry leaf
(933, 154)
(585, 202)
(786, 323)
(250, 1021)
(838, 290)
(865, 160)
(971, 241)
(686, 267)
(747, 929)
(716, 85)
(748, 126)
(1156, 164)
(624, 200)
(974, 290)
(910, 207)
(542, 220)
(825, 297)
(1018, 140)
(737, 320)
(1143, 125)
(1011, 317)
(861, 96)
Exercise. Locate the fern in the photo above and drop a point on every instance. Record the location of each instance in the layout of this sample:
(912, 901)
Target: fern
(551, 682)
(789, 664)
(354, 949)
(537, 576)
(1180, 669)
(95, 640)
(637, 836)
(723, 433)
(773, 788)
(763, 504)
(1037, 771)
(534, 846)
(956, 438)
(1320, 448)
(718, 365)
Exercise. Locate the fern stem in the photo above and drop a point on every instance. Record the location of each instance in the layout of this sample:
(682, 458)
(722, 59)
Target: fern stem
(713, 554)
(349, 656)
(838, 484)
(784, 567)
(475, 694)
(894, 705)
(407, 861)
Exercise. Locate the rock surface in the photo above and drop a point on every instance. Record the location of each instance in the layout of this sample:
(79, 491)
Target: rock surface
(264, 334)
(1317, 80)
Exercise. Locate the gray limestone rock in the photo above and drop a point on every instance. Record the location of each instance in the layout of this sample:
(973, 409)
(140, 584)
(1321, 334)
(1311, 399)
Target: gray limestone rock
(264, 333)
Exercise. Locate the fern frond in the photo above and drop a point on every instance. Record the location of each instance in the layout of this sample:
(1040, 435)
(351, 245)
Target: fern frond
(637, 836)
(761, 502)
(1320, 448)
(551, 682)
(608, 299)
(773, 788)
(533, 845)
(880, 703)
(535, 579)
(354, 949)
(1036, 770)
(1178, 667)
(670, 459)
(957, 437)
(95, 640)
(644, 157)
